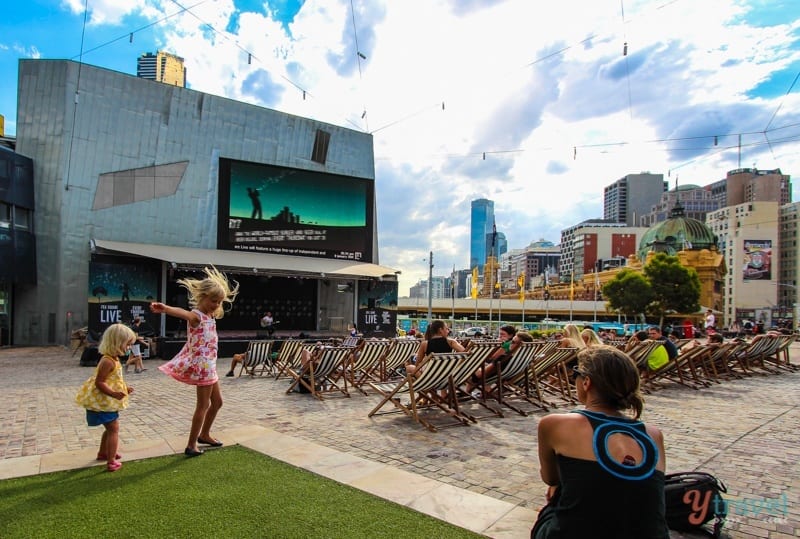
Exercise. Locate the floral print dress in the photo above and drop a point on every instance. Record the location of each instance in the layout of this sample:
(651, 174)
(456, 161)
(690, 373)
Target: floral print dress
(196, 363)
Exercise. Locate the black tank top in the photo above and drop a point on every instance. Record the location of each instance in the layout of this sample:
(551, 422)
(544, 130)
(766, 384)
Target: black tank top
(607, 499)
(438, 345)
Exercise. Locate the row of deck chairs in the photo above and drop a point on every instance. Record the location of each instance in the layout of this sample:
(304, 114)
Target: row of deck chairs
(535, 374)
(703, 365)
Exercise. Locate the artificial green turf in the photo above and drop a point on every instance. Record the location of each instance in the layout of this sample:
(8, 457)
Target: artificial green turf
(229, 492)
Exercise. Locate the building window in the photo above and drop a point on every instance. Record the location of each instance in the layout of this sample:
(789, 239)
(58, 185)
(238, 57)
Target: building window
(21, 218)
(5, 215)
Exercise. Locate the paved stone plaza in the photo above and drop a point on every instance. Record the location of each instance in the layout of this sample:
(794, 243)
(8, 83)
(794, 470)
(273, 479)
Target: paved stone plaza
(743, 431)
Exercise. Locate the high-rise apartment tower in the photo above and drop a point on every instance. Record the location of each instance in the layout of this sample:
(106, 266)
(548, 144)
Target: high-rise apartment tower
(161, 67)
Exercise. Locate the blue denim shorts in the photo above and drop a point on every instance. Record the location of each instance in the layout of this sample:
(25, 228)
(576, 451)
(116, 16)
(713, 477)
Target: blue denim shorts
(93, 419)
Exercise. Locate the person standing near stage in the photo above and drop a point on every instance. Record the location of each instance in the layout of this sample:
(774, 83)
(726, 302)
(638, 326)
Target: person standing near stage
(196, 363)
(268, 323)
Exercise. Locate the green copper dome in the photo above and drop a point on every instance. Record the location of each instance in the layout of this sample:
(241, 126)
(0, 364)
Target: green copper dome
(678, 233)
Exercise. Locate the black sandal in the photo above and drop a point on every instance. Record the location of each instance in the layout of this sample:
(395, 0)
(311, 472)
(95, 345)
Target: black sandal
(212, 442)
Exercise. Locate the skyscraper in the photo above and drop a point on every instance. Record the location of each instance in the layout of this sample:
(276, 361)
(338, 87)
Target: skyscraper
(161, 67)
(631, 197)
(480, 229)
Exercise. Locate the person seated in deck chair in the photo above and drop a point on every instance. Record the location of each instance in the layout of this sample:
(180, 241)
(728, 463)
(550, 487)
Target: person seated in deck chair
(237, 359)
(437, 341)
(510, 338)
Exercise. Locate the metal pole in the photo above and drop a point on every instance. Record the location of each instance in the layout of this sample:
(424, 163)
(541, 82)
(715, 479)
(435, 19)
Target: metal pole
(430, 287)
(491, 292)
(499, 305)
(595, 294)
(453, 297)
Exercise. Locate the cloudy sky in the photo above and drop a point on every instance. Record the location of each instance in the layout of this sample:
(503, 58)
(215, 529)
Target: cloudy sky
(534, 105)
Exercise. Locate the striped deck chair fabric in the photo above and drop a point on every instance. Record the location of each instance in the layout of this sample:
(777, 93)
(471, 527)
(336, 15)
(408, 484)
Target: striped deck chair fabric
(323, 374)
(396, 356)
(365, 360)
(292, 363)
(513, 380)
(257, 358)
(351, 341)
(286, 355)
(682, 370)
(782, 354)
(474, 360)
(434, 374)
(548, 374)
(752, 355)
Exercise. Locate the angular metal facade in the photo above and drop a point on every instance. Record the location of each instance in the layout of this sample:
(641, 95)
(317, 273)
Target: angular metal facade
(79, 123)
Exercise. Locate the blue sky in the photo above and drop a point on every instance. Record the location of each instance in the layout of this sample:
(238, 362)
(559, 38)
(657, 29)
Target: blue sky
(535, 109)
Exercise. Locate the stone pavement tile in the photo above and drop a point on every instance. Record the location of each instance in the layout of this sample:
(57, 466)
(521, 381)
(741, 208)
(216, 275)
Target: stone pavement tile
(470, 510)
(513, 524)
(20, 467)
(396, 485)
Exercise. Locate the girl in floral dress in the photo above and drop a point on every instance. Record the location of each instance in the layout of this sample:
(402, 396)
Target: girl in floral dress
(196, 363)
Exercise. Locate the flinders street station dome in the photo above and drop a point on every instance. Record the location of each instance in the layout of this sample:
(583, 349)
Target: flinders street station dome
(678, 233)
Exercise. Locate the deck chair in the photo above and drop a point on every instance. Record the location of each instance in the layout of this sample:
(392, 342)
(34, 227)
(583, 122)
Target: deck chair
(682, 370)
(288, 356)
(323, 374)
(751, 357)
(435, 374)
(548, 374)
(719, 359)
(782, 358)
(506, 378)
(478, 355)
(365, 360)
(352, 342)
(394, 358)
(445, 396)
(257, 358)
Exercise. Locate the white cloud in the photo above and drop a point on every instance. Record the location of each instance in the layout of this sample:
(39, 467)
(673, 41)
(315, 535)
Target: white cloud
(545, 94)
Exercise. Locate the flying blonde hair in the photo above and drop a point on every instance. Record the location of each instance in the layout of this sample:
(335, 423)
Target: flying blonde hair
(215, 284)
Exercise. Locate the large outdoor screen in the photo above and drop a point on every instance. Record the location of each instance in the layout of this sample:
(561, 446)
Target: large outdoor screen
(280, 210)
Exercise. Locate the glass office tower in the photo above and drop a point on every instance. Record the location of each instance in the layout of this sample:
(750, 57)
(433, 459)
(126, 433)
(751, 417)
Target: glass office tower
(480, 228)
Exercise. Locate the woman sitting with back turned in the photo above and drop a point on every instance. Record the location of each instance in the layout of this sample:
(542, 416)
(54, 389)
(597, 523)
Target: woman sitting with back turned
(605, 470)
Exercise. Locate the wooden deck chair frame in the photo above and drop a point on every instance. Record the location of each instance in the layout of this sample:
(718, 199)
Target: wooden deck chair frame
(681, 369)
(257, 358)
(458, 396)
(553, 364)
(364, 360)
(750, 356)
(514, 381)
(782, 358)
(287, 354)
(323, 374)
(772, 355)
(436, 373)
(444, 395)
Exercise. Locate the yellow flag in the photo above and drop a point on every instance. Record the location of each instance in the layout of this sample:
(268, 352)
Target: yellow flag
(475, 282)
(521, 283)
(572, 286)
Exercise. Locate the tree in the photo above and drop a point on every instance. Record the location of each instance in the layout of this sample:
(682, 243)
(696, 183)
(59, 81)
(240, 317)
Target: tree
(628, 292)
(676, 288)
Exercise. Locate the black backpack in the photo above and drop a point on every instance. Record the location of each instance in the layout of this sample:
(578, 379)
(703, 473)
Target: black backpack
(693, 499)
